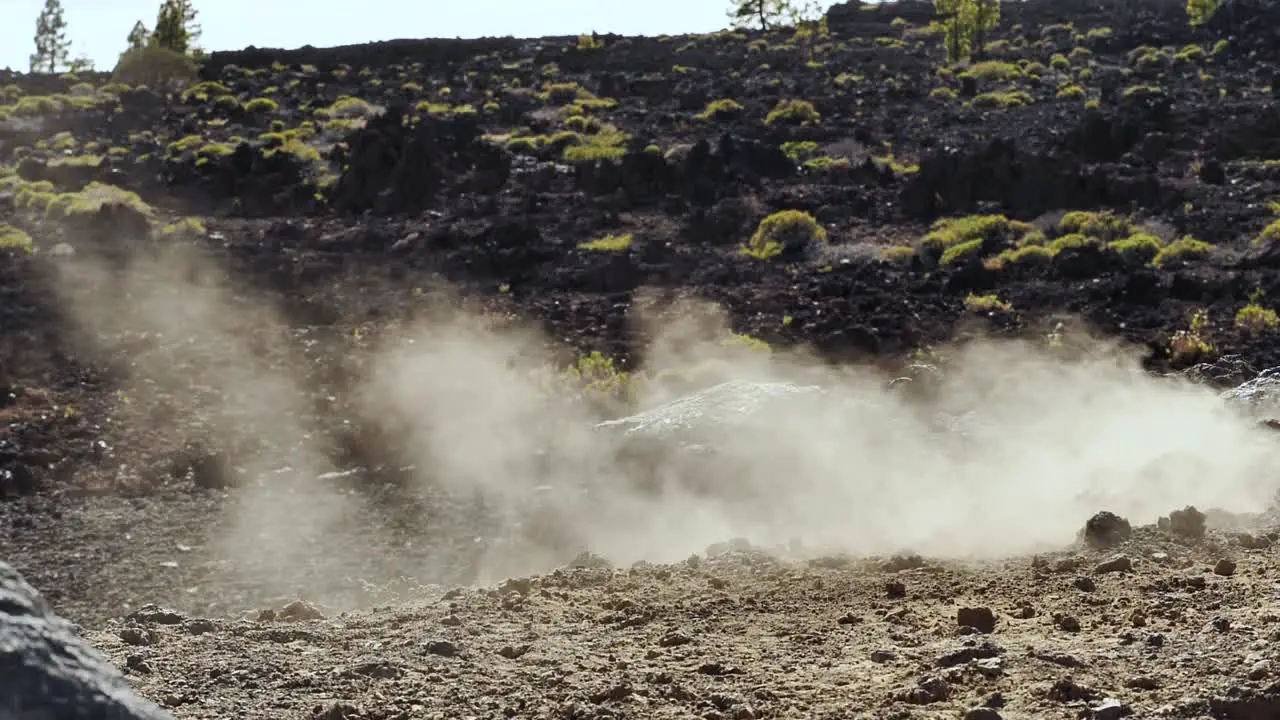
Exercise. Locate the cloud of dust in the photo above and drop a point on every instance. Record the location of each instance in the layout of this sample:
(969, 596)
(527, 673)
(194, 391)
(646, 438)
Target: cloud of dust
(858, 469)
(208, 361)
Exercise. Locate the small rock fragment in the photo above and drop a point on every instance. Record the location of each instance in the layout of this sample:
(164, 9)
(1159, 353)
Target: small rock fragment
(1260, 670)
(137, 636)
(674, 638)
(1119, 563)
(980, 618)
(1111, 709)
(1142, 682)
(299, 610)
(443, 648)
(1187, 522)
(1106, 529)
(1085, 584)
(1225, 568)
(1068, 623)
(982, 713)
(1250, 541)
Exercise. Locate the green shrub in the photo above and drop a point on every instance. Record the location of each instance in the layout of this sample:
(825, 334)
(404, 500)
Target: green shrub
(793, 111)
(609, 243)
(783, 229)
(1270, 235)
(1140, 246)
(12, 238)
(1003, 99)
(993, 71)
(1253, 318)
(722, 109)
(262, 105)
(1182, 249)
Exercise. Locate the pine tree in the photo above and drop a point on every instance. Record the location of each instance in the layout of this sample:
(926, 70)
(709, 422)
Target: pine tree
(176, 27)
(986, 16)
(138, 36)
(765, 13)
(52, 45)
(966, 25)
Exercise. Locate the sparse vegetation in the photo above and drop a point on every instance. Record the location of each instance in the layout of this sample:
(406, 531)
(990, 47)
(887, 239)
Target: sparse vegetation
(782, 230)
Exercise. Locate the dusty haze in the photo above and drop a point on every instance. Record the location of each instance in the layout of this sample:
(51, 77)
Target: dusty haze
(1048, 442)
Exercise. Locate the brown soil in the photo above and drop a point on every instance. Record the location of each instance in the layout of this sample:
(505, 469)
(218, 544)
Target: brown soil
(187, 440)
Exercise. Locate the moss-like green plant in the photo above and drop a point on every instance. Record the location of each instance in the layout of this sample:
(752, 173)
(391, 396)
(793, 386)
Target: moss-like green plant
(1182, 249)
(793, 111)
(782, 229)
(609, 243)
(12, 238)
(720, 110)
(262, 105)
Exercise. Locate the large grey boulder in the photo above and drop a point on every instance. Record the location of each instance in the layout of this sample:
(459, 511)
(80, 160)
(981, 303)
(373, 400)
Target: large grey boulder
(49, 672)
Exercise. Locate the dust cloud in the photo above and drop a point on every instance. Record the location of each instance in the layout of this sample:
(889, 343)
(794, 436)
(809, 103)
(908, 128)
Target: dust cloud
(1010, 453)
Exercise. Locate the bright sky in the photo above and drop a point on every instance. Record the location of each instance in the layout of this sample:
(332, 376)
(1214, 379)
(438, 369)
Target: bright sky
(98, 28)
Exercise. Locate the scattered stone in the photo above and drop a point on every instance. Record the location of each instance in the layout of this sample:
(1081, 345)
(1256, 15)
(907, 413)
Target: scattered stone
(1187, 522)
(674, 638)
(512, 652)
(883, 656)
(1024, 611)
(1067, 623)
(48, 671)
(298, 611)
(990, 667)
(200, 626)
(902, 562)
(1142, 682)
(895, 590)
(150, 614)
(1067, 690)
(1084, 583)
(968, 654)
(1058, 658)
(1260, 670)
(1249, 541)
(137, 636)
(931, 689)
(1225, 568)
(443, 648)
(979, 618)
(1119, 563)
(1220, 624)
(1111, 709)
(982, 713)
(1106, 529)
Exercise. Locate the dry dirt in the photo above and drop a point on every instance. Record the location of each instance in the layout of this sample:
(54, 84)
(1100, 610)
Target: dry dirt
(1161, 626)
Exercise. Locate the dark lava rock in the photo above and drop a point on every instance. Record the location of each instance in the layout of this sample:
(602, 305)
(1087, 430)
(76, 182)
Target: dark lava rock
(1187, 522)
(1106, 529)
(48, 671)
(979, 618)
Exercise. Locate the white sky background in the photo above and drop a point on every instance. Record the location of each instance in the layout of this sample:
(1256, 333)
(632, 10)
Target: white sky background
(98, 28)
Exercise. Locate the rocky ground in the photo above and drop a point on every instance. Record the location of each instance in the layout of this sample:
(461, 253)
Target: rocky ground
(206, 298)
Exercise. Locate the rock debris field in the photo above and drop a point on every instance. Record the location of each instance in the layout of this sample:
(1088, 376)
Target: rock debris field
(738, 375)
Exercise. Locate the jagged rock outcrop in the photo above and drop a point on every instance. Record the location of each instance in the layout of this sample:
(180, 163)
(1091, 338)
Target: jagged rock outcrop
(48, 671)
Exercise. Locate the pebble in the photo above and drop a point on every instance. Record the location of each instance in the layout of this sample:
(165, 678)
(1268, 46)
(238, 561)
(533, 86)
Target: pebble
(1225, 568)
(1119, 563)
(980, 618)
